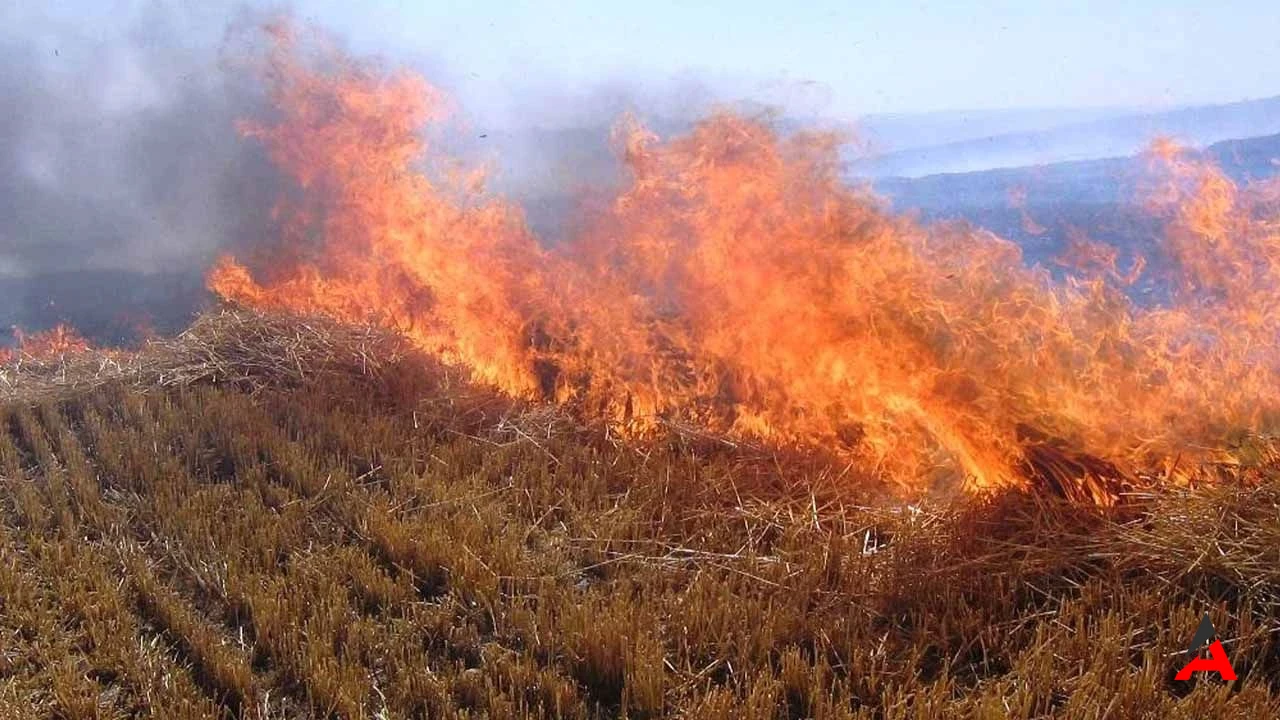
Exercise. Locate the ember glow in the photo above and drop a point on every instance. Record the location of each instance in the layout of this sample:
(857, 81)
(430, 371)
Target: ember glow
(737, 281)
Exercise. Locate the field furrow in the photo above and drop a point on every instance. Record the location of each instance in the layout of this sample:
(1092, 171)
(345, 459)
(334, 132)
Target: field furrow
(203, 552)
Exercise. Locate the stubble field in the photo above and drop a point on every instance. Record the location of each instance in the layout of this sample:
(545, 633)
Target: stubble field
(396, 544)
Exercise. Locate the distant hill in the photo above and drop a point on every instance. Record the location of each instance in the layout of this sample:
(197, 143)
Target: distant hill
(898, 132)
(1250, 158)
(1103, 180)
(1071, 139)
(1037, 205)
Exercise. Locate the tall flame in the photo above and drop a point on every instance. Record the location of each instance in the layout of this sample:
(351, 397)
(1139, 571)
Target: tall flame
(738, 281)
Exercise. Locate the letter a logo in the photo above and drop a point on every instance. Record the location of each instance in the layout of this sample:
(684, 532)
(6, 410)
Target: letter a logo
(1207, 636)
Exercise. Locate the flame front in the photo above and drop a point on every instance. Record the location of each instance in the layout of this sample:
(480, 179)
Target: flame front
(46, 345)
(737, 281)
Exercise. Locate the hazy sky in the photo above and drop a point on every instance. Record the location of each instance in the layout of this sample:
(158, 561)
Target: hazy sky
(841, 59)
(852, 57)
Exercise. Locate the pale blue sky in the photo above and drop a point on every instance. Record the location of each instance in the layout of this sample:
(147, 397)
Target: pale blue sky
(854, 58)
(840, 59)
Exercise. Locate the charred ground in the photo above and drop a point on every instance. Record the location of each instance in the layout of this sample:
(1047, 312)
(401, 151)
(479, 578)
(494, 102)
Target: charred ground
(315, 524)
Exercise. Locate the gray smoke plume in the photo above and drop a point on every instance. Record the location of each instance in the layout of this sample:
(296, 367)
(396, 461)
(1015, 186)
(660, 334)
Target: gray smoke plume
(122, 173)
(118, 146)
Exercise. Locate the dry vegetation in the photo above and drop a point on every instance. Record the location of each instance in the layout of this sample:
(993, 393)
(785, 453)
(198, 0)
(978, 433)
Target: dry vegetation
(270, 518)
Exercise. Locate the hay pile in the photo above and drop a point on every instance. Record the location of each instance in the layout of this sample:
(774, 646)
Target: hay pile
(245, 348)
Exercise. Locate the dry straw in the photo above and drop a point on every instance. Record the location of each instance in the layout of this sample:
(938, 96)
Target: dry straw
(230, 345)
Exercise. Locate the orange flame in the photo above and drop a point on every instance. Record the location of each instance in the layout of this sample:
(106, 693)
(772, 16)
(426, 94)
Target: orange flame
(739, 282)
(52, 343)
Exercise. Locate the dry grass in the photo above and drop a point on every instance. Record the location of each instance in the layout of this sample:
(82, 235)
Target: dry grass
(268, 518)
(243, 348)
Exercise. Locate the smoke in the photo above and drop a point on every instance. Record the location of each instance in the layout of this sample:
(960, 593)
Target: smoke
(550, 147)
(118, 147)
(123, 173)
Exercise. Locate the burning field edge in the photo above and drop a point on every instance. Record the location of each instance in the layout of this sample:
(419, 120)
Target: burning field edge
(255, 350)
(271, 516)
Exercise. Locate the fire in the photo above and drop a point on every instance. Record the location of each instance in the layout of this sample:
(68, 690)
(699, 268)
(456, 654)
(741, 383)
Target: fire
(52, 343)
(738, 281)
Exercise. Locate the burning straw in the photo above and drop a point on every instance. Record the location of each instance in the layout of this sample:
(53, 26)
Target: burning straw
(253, 350)
(738, 285)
